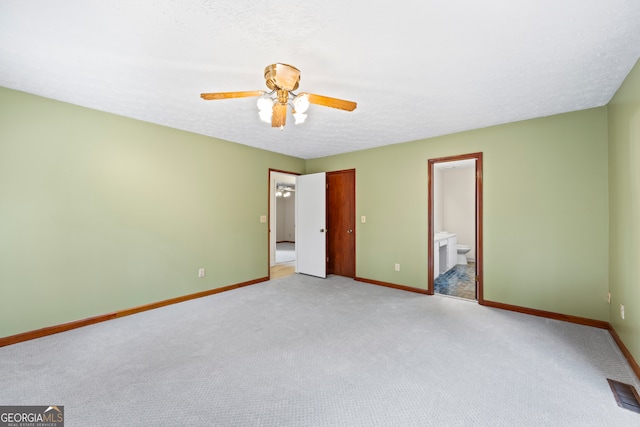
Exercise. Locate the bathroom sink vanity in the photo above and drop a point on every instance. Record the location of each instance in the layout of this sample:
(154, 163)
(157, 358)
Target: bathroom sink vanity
(445, 253)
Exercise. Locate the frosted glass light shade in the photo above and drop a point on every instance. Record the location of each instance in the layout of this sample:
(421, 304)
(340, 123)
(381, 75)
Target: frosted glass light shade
(301, 103)
(265, 115)
(265, 103)
(299, 117)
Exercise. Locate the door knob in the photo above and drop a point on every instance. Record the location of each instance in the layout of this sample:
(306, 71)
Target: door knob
(322, 230)
(349, 231)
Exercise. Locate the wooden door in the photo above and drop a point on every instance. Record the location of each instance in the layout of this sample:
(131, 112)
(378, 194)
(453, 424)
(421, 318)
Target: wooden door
(341, 223)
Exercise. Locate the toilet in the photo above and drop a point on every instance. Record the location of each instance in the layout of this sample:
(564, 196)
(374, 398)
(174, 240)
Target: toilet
(462, 251)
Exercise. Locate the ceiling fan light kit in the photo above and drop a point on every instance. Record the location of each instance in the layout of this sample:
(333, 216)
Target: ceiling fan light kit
(284, 191)
(282, 80)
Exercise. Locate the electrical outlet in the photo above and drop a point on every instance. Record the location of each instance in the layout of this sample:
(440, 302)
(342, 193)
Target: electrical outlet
(609, 297)
(263, 218)
(201, 273)
(397, 267)
(622, 311)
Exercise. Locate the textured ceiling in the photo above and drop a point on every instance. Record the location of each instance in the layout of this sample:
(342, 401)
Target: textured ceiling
(417, 69)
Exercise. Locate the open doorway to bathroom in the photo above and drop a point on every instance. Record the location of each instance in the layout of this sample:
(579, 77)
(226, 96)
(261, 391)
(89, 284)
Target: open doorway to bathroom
(455, 227)
(282, 245)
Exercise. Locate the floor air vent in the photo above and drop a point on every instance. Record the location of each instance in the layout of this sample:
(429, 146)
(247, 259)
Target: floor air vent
(626, 395)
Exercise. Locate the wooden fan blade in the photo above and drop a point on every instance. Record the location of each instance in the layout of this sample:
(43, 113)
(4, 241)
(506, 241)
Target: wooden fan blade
(279, 115)
(330, 102)
(227, 95)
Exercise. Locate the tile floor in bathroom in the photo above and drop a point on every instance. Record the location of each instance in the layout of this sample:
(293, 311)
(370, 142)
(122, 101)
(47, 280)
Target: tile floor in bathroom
(457, 282)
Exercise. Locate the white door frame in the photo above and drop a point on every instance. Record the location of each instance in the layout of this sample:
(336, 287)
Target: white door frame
(275, 176)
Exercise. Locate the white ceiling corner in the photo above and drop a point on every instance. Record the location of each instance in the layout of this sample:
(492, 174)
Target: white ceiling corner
(416, 69)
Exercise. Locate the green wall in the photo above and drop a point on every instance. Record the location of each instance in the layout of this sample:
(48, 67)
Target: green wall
(624, 210)
(545, 210)
(101, 213)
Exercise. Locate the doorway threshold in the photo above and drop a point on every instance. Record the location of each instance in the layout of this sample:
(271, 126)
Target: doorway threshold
(455, 297)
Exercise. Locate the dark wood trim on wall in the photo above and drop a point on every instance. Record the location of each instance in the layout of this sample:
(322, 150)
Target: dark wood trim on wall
(390, 285)
(479, 228)
(572, 319)
(548, 314)
(625, 351)
(50, 330)
(430, 230)
(478, 220)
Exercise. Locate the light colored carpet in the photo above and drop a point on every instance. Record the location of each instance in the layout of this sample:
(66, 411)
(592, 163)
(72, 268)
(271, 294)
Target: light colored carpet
(303, 351)
(285, 252)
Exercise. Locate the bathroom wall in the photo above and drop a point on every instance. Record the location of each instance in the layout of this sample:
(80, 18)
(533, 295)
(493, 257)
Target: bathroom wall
(459, 195)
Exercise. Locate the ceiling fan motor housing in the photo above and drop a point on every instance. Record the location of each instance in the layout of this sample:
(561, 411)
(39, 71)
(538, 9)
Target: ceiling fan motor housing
(282, 76)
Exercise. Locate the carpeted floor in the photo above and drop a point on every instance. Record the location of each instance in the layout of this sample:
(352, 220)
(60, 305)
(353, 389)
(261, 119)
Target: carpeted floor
(285, 252)
(303, 351)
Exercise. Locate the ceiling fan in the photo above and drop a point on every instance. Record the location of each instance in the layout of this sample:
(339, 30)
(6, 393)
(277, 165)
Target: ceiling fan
(284, 190)
(282, 80)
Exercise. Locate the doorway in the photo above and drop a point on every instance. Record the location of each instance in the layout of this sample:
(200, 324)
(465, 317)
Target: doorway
(455, 264)
(282, 191)
(338, 213)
